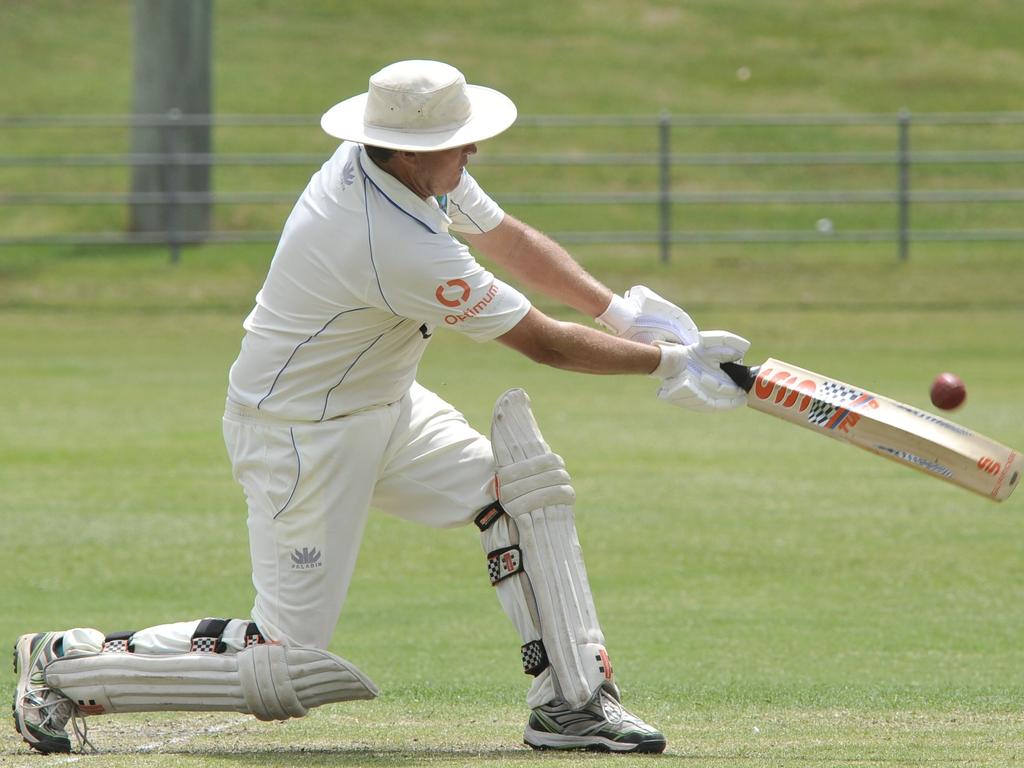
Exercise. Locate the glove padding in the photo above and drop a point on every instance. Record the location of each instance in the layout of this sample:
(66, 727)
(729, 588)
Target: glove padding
(644, 316)
(692, 377)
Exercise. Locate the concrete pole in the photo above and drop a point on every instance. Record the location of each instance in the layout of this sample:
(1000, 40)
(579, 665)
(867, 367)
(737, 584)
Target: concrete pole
(173, 47)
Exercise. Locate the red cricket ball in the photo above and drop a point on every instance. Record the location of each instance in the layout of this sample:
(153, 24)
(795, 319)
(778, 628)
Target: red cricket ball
(948, 391)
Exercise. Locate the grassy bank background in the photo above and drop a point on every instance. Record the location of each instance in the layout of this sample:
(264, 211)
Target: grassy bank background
(769, 597)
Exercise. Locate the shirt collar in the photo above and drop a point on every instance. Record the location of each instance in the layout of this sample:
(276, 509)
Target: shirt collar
(427, 211)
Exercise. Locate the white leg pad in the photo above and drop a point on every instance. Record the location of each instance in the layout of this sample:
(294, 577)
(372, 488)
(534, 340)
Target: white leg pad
(272, 682)
(534, 490)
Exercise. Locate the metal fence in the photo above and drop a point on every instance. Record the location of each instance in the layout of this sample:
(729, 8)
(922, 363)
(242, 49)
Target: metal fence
(662, 196)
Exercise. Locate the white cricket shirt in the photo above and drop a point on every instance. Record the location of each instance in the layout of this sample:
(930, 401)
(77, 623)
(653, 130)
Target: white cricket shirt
(364, 272)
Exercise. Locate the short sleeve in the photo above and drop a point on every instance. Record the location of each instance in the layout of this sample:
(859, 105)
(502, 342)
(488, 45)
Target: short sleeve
(443, 285)
(471, 209)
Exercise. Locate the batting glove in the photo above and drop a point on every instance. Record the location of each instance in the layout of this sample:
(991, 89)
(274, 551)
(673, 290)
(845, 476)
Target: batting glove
(644, 316)
(691, 374)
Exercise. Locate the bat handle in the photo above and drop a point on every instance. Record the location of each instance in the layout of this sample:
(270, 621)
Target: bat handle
(743, 375)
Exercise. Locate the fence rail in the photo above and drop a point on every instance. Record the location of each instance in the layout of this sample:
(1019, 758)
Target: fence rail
(173, 117)
(619, 159)
(595, 198)
(662, 197)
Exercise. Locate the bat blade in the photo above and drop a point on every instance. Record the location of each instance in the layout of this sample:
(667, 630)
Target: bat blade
(886, 427)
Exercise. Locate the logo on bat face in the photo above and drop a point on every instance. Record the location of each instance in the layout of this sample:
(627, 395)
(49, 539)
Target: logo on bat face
(989, 465)
(915, 460)
(786, 387)
(830, 406)
(931, 418)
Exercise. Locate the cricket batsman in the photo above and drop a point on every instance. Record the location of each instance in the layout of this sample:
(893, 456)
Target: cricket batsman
(324, 420)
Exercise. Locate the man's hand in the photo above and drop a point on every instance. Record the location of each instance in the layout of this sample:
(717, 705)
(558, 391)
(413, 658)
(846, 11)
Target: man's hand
(644, 316)
(692, 377)
(689, 368)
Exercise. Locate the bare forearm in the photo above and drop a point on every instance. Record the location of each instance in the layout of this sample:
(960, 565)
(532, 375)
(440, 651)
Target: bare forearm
(587, 350)
(547, 267)
(578, 348)
(543, 265)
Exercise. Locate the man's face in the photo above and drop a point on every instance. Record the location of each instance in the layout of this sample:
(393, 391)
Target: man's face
(438, 173)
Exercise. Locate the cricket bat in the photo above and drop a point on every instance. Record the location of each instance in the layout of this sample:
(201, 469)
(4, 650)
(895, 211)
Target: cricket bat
(905, 434)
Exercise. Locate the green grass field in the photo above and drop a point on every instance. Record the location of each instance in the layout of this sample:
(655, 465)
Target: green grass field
(769, 597)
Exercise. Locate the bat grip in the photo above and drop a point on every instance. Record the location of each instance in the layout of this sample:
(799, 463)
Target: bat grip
(743, 375)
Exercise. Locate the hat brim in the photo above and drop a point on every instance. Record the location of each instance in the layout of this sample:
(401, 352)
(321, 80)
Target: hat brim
(492, 113)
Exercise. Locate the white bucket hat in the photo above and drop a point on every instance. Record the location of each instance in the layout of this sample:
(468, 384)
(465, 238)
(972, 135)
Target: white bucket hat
(420, 106)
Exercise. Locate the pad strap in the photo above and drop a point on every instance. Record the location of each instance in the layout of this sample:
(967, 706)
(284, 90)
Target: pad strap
(504, 562)
(486, 517)
(118, 642)
(207, 637)
(253, 636)
(535, 658)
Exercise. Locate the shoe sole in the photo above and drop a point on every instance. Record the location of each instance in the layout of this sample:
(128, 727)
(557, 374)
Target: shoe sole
(541, 740)
(36, 739)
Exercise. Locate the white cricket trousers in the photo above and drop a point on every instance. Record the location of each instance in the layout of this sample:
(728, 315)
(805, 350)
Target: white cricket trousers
(309, 488)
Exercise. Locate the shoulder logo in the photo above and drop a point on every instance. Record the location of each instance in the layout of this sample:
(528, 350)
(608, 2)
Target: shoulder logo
(348, 175)
(306, 558)
(442, 294)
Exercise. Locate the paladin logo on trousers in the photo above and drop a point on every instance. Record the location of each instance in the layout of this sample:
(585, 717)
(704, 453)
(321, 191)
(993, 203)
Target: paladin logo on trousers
(304, 559)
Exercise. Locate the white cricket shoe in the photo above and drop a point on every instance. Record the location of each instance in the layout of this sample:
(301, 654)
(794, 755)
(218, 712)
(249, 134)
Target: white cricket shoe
(40, 712)
(602, 725)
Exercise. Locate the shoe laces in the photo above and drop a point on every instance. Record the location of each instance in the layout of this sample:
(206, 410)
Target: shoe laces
(81, 730)
(609, 707)
(53, 712)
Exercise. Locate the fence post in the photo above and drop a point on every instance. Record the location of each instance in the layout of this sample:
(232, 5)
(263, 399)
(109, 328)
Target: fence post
(665, 186)
(904, 194)
(173, 183)
(172, 69)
